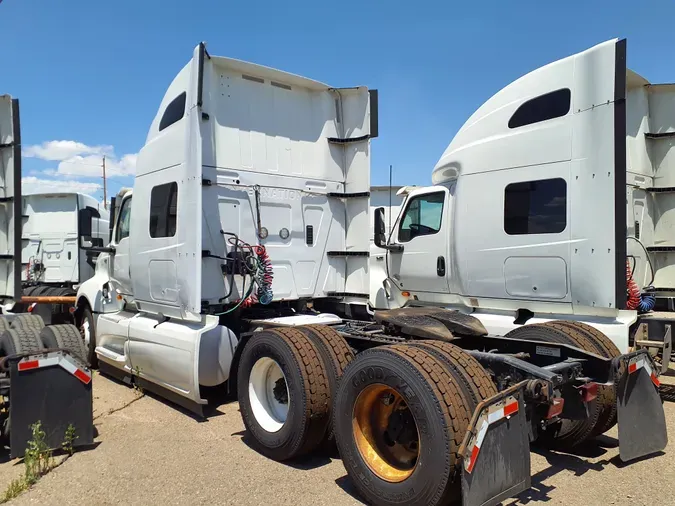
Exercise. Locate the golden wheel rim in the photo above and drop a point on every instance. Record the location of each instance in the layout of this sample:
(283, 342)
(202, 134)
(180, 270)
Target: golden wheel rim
(385, 432)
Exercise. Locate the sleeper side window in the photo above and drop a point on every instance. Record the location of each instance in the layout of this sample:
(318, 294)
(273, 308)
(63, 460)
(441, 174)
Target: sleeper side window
(174, 112)
(423, 216)
(544, 107)
(163, 207)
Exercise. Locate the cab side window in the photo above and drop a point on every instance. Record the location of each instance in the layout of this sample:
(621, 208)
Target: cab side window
(124, 221)
(535, 207)
(163, 210)
(423, 216)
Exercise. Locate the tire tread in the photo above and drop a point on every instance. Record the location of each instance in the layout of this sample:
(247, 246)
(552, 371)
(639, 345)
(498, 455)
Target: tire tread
(336, 356)
(64, 336)
(315, 385)
(27, 321)
(464, 368)
(453, 403)
(21, 340)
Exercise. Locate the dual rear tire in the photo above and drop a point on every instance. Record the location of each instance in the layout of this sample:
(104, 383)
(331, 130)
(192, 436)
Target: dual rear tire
(284, 394)
(601, 410)
(395, 412)
(400, 417)
(27, 334)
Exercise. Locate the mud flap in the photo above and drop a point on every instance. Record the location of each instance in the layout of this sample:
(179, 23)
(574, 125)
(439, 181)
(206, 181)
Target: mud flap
(642, 421)
(496, 450)
(53, 388)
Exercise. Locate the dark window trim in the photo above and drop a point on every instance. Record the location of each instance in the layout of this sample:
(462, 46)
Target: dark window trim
(405, 211)
(119, 221)
(505, 217)
(620, 174)
(166, 206)
(174, 112)
(554, 104)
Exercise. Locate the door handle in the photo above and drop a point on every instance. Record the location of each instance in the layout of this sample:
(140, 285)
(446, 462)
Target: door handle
(440, 266)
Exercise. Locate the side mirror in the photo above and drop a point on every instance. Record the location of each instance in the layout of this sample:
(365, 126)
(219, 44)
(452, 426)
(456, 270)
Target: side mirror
(380, 232)
(111, 222)
(95, 246)
(85, 217)
(88, 243)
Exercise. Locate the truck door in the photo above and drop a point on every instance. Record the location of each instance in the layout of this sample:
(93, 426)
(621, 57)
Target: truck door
(121, 274)
(422, 230)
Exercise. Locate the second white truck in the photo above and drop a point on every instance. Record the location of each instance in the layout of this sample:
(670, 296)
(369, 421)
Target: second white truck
(552, 202)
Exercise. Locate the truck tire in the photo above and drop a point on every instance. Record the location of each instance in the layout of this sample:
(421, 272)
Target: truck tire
(87, 329)
(606, 394)
(15, 341)
(336, 355)
(66, 337)
(402, 388)
(283, 392)
(472, 378)
(27, 321)
(571, 432)
(4, 324)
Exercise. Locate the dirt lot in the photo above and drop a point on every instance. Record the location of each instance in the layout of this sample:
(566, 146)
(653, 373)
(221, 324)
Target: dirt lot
(153, 453)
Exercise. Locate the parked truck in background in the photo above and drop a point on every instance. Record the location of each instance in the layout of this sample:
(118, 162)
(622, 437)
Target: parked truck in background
(247, 231)
(552, 202)
(43, 377)
(53, 262)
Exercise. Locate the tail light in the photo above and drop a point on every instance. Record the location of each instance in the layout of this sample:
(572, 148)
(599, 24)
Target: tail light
(589, 391)
(555, 408)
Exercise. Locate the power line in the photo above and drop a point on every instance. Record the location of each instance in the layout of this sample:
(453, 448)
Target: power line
(79, 163)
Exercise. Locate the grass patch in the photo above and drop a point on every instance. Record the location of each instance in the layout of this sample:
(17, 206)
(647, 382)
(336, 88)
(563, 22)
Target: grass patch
(69, 439)
(37, 461)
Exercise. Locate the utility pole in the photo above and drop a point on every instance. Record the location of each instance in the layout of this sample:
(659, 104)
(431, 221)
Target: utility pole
(391, 171)
(105, 189)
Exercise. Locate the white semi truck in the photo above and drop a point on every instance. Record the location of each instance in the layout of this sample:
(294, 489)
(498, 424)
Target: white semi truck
(247, 230)
(53, 261)
(553, 201)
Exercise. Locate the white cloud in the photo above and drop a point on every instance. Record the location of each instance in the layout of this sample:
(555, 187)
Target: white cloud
(33, 184)
(64, 150)
(80, 160)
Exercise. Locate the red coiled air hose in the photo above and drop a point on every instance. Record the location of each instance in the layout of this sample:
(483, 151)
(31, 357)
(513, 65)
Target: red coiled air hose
(633, 290)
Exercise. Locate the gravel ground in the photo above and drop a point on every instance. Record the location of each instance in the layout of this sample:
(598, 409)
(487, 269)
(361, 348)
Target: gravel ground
(151, 452)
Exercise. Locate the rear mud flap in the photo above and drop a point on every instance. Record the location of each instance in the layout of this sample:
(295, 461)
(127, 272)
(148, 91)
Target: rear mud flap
(642, 421)
(496, 450)
(52, 388)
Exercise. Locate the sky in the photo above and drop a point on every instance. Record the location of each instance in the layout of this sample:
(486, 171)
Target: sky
(90, 74)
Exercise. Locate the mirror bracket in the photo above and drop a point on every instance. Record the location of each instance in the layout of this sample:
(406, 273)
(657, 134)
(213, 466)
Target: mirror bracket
(380, 233)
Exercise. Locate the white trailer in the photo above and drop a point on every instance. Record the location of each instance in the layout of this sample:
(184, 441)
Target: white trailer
(250, 216)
